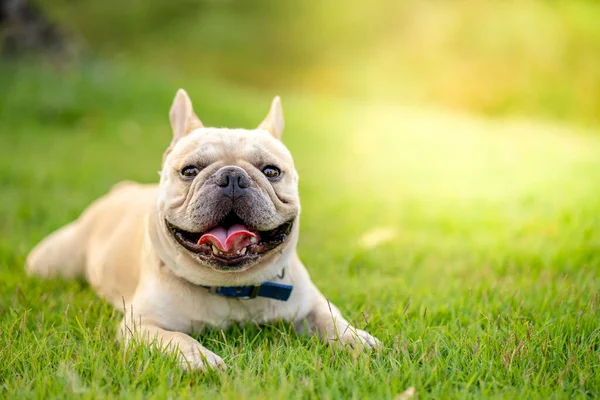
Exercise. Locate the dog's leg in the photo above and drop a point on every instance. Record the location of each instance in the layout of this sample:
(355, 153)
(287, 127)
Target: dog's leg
(190, 353)
(60, 254)
(326, 320)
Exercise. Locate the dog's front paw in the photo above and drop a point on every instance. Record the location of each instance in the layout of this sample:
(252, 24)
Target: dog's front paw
(199, 358)
(357, 339)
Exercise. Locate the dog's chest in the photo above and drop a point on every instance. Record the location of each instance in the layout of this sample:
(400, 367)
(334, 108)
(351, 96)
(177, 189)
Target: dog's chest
(185, 307)
(221, 312)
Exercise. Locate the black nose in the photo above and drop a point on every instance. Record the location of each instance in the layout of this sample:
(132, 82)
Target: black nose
(233, 181)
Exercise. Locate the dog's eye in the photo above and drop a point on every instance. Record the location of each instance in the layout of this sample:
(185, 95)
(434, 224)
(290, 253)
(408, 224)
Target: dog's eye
(271, 172)
(189, 171)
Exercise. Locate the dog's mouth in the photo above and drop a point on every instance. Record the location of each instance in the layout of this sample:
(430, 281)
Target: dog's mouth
(231, 244)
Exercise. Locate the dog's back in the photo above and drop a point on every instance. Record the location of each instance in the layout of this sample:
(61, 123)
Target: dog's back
(102, 245)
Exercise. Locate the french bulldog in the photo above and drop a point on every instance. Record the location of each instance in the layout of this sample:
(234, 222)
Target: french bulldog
(213, 244)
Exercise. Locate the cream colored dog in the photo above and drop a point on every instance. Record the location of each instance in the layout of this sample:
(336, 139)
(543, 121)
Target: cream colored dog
(213, 244)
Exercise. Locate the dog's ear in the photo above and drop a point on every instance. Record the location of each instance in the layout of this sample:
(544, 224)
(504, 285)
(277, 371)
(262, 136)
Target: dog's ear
(183, 119)
(273, 123)
(182, 116)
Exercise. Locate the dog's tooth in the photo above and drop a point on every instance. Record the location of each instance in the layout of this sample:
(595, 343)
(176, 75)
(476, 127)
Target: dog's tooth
(215, 250)
(243, 251)
(253, 240)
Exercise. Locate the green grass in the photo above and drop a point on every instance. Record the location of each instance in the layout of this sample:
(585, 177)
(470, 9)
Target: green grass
(487, 285)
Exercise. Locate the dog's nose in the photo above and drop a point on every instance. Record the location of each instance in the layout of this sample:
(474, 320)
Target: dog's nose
(233, 181)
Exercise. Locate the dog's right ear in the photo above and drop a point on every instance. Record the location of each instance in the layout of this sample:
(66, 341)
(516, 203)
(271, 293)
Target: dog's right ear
(183, 119)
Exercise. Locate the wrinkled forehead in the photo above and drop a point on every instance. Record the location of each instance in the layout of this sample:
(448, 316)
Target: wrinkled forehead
(208, 145)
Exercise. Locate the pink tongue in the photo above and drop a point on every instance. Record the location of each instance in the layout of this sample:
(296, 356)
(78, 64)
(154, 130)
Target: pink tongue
(229, 240)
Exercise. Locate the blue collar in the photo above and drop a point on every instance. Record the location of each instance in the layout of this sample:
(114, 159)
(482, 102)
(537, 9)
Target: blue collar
(270, 290)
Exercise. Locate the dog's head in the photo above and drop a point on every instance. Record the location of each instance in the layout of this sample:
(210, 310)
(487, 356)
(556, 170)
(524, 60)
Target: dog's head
(228, 198)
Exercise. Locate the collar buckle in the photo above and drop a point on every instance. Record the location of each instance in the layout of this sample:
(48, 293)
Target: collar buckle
(254, 292)
(239, 292)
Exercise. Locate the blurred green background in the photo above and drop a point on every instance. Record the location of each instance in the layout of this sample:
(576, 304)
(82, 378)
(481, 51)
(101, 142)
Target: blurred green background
(449, 155)
(514, 57)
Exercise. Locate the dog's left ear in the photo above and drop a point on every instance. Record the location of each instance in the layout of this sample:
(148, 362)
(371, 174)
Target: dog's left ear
(273, 123)
(182, 116)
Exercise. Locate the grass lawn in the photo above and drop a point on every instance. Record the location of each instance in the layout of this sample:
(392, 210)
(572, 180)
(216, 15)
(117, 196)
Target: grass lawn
(470, 247)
